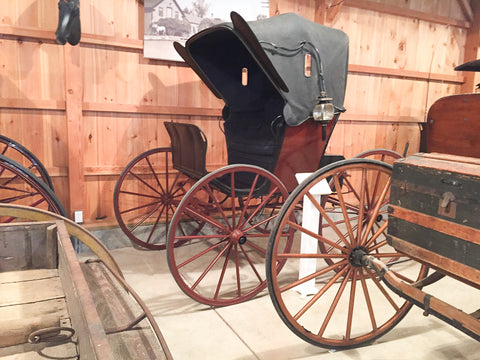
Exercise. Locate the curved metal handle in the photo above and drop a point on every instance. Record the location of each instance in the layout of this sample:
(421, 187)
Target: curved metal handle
(51, 334)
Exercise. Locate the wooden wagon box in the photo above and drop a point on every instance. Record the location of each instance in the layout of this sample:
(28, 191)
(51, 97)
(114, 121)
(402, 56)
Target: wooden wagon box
(43, 287)
(434, 212)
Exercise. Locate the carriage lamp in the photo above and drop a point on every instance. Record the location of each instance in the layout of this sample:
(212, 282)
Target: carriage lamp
(323, 112)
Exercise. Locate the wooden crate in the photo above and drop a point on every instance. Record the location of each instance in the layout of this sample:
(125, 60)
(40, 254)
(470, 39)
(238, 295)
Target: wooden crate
(434, 212)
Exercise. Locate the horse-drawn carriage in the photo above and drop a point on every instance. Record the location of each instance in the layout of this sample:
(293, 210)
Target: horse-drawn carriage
(331, 232)
(322, 246)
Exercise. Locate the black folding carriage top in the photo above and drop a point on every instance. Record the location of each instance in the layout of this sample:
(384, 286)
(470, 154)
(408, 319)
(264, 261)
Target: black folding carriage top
(257, 68)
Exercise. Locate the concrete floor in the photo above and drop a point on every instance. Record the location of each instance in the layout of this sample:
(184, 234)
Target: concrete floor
(253, 330)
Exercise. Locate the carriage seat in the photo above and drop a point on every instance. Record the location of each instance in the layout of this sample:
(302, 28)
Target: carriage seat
(189, 148)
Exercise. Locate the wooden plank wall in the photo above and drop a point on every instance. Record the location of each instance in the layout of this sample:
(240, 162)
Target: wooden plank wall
(86, 111)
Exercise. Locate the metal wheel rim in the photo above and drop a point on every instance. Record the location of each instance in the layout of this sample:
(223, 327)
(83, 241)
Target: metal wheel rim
(34, 164)
(20, 186)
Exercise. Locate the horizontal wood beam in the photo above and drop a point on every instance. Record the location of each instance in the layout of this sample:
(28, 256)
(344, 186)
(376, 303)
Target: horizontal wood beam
(38, 34)
(402, 73)
(151, 109)
(405, 12)
(33, 104)
(381, 118)
(108, 170)
(60, 105)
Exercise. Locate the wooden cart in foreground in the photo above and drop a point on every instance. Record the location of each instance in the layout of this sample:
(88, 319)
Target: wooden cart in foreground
(52, 306)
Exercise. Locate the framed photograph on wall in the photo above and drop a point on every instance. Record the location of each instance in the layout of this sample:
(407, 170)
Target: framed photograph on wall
(167, 21)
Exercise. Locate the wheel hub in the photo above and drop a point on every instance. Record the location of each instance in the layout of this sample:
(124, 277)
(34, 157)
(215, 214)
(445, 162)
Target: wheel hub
(356, 255)
(238, 237)
(166, 199)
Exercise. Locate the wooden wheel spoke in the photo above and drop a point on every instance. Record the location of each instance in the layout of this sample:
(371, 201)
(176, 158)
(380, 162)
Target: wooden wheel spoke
(334, 201)
(207, 219)
(361, 206)
(237, 272)
(343, 207)
(328, 219)
(256, 247)
(383, 290)
(335, 301)
(316, 236)
(375, 212)
(9, 180)
(218, 206)
(210, 248)
(349, 186)
(222, 273)
(250, 262)
(167, 173)
(317, 296)
(142, 219)
(145, 183)
(138, 194)
(261, 205)
(233, 197)
(226, 248)
(155, 175)
(249, 198)
(157, 220)
(17, 198)
(313, 275)
(38, 202)
(174, 183)
(381, 230)
(351, 305)
(5, 148)
(368, 301)
(260, 223)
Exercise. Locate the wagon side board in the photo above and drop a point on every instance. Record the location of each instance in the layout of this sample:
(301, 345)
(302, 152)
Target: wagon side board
(468, 323)
(433, 212)
(92, 339)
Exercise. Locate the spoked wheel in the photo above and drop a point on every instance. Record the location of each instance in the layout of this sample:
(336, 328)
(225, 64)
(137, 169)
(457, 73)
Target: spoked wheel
(20, 186)
(224, 263)
(346, 304)
(24, 157)
(146, 196)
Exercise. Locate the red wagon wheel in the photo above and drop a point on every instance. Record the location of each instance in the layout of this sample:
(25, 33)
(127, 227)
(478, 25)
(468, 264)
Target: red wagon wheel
(15, 151)
(224, 264)
(20, 186)
(346, 304)
(146, 196)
